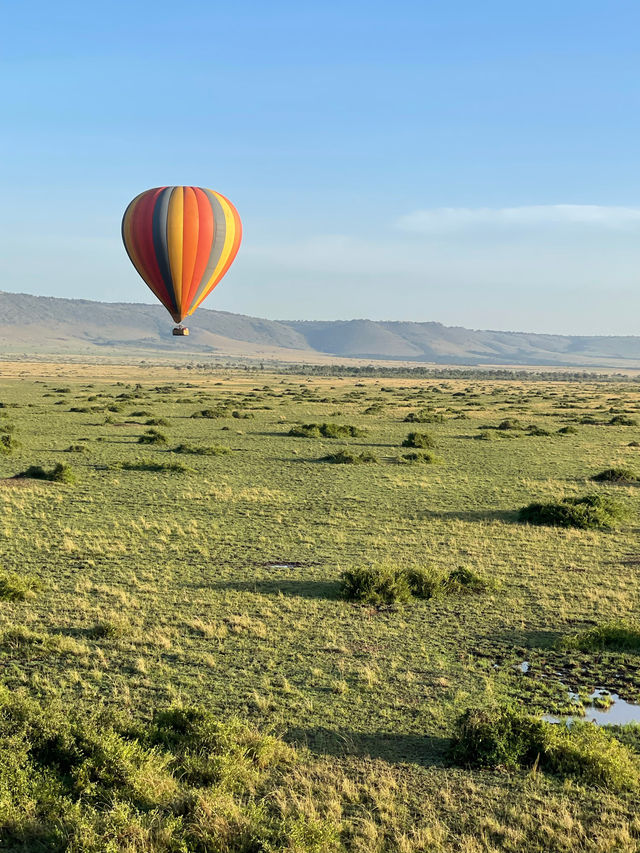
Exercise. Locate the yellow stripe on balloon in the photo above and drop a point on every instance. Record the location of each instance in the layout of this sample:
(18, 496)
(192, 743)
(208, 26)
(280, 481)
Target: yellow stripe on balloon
(226, 249)
(174, 241)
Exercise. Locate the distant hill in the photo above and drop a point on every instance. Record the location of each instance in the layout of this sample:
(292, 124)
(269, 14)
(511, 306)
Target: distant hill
(43, 324)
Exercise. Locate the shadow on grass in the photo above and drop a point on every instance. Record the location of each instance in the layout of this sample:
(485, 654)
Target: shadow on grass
(295, 588)
(425, 750)
(527, 639)
(507, 515)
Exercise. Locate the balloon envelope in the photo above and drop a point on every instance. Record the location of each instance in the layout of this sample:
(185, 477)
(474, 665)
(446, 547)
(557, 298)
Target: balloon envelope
(181, 240)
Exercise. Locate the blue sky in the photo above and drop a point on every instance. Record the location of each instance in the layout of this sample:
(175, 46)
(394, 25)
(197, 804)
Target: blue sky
(470, 163)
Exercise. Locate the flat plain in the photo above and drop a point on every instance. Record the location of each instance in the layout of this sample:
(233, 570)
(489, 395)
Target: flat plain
(202, 568)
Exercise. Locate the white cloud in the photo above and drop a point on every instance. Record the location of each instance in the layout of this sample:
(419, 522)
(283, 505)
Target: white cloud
(445, 219)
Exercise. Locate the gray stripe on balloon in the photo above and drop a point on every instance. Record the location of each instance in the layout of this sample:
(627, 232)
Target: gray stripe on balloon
(219, 234)
(160, 242)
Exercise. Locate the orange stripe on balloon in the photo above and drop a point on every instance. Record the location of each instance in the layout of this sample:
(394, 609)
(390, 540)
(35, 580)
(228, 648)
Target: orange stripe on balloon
(230, 250)
(206, 228)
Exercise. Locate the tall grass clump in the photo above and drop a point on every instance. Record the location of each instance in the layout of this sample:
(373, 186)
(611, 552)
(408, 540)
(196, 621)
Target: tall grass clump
(152, 436)
(326, 430)
(417, 458)
(511, 739)
(348, 457)
(616, 475)
(591, 512)
(8, 444)
(193, 450)
(424, 416)
(615, 636)
(60, 473)
(379, 584)
(419, 440)
(17, 587)
(184, 781)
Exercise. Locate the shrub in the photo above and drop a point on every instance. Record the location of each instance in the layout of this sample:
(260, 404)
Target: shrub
(60, 473)
(348, 457)
(211, 414)
(380, 584)
(532, 429)
(510, 423)
(241, 415)
(157, 422)
(75, 448)
(426, 582)
(615, 475)
(465, 580)
(15, 587)
(424, 416)
(8, 444)
(568, 430)
(201, 451)
(149, 466)
(591, 512)
(152, 436)
(617, 636)
(326, 430)
(505, 737)
(623, 420)
(634, 444)
(419, 439)
(414, 458)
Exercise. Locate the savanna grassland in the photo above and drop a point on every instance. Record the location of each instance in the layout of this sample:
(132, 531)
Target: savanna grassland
(182, 670)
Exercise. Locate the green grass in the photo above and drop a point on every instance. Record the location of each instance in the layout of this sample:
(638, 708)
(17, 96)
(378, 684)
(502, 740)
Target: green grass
(219, 586)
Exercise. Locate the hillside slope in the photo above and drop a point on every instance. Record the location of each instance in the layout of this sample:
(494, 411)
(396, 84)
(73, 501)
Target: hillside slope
(42, 324)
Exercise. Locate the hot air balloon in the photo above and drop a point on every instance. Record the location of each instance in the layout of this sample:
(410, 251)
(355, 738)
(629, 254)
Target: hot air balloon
(182, 241)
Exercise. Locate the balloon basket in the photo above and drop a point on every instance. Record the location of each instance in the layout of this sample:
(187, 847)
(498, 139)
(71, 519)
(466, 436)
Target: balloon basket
(180, 331)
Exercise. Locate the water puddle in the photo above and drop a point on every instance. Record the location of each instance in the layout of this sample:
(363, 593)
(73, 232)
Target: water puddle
(605, 708)
(619, 713)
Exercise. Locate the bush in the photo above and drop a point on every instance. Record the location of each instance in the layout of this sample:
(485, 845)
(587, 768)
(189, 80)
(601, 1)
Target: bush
(568, 430)
(414, 458)
(615, 475)
(616, 636)
(14, 587)
(623, 420)
(211, 414)
(591, 512)
(326, 430)
(348, 457)
(426, 582)
(152, 436)
(424, 416)
(60, 473)
(139, 465)
(200, 451)
(419, 439)
(8, 444)
(510, 423)
(157, 422)
(532, 429)
(505, 737)
(465, 580)
(381, 584)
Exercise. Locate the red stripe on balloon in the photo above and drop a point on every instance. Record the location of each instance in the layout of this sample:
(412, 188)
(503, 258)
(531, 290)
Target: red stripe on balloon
(142, 232)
